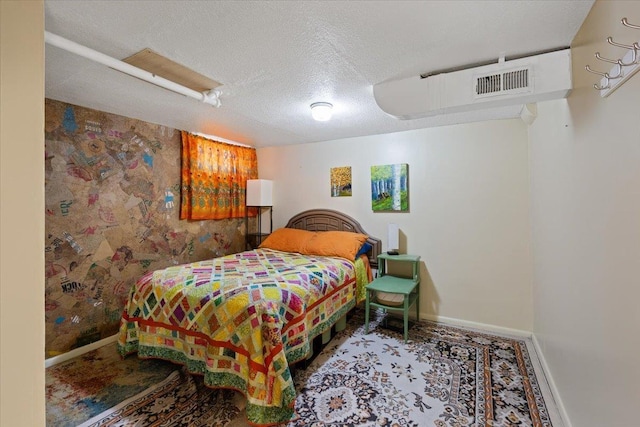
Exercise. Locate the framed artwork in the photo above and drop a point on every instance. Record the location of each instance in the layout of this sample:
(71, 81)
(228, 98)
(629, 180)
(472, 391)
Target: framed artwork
(341, 181)
(390, 188)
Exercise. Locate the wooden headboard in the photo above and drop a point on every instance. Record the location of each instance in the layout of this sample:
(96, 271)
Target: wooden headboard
(330, 220)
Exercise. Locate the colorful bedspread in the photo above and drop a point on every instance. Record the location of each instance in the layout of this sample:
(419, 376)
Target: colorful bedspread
(240, 320)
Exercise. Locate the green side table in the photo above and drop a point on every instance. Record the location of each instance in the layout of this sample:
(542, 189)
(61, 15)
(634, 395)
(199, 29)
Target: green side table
(405, 289)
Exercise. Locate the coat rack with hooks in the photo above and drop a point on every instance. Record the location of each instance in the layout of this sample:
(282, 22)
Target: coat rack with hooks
(622, 69)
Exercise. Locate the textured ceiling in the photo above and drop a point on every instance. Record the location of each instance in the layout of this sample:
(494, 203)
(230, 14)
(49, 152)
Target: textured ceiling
(276, 58)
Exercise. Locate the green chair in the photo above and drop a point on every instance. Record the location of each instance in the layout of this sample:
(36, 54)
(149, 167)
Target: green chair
(394, 293)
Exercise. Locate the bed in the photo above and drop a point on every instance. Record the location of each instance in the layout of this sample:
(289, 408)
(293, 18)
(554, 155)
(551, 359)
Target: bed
(241, 320)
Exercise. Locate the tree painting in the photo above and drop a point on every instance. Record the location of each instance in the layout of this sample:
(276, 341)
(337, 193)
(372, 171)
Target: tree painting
(390, 188)
(341, 181)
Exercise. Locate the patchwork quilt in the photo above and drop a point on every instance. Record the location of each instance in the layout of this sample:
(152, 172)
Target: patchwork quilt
(240, 320)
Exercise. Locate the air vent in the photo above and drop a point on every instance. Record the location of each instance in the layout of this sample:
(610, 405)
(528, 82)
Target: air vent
(506, 83)
(489, 84)
(516, 79)
(509, 82)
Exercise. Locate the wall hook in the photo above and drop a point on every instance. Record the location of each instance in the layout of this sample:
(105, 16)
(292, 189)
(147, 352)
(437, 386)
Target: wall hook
(612, 61)
(633, 48)
(625, 67)
(596, 87)
(605, 75)
(626, 24)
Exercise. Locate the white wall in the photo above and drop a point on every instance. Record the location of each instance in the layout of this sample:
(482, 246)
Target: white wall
(585, 197)
(469, 219)
(22, 214)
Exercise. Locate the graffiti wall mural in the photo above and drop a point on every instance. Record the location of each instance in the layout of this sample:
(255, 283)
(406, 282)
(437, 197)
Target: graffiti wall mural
(112, 189)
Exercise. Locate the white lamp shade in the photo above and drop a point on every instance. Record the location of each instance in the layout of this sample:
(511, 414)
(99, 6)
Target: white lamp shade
(393, 237)
(259, 192)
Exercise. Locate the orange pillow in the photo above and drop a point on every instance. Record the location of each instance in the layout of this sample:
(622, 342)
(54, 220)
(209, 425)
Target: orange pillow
(342, 244)
(287, 240)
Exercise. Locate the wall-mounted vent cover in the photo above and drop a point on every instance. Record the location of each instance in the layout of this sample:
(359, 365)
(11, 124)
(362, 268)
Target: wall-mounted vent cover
(519, 81)
(508, 82)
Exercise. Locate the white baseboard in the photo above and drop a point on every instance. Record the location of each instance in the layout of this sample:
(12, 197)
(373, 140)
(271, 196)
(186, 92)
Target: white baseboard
(483, 327)
(52, 361)
(552, 385)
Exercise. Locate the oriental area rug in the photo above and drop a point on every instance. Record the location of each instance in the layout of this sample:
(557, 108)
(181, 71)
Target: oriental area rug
(443, 376)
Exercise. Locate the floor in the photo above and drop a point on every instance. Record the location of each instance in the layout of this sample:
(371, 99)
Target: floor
(91, 383)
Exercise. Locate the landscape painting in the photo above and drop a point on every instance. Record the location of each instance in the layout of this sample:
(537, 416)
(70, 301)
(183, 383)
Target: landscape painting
(341, 181)
(390, 188)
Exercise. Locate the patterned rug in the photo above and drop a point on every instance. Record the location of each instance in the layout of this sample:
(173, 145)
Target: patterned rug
(443, 377)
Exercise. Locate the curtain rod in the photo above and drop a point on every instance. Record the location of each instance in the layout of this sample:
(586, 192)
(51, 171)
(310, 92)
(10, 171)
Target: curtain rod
(219, 139)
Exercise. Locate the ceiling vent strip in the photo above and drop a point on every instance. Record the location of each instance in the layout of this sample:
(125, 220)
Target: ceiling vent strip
(519, 81)
(508, 82)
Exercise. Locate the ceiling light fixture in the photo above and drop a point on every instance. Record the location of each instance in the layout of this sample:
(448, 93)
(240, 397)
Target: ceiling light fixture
(321, 111)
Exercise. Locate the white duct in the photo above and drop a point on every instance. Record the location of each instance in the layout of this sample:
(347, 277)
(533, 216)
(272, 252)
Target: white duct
(520, 81)
(211, 97)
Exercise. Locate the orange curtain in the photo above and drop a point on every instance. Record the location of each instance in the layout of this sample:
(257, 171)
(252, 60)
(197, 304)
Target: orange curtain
(214, 178)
